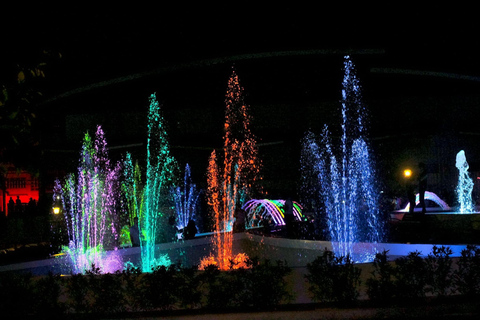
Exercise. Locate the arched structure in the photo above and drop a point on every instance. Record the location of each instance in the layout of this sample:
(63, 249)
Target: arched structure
(432, 197)
(258, 210)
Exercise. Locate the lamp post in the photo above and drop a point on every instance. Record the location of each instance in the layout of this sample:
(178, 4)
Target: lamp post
(410, 188)
(407, 173)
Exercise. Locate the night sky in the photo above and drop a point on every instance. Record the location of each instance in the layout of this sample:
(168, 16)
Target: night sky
(413, 65)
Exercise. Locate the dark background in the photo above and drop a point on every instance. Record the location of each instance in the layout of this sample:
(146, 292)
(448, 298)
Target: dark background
(418, 68)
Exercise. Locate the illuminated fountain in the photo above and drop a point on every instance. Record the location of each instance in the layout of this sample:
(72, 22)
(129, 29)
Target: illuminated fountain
(186, 200)
(132, 188)
(464, 186)
(158, 178)
(429, 196)
(90, 202)
(260, 210)
(346, 184)
(231, 184)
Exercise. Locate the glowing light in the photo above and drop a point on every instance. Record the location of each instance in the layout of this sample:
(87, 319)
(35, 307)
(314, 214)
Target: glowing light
(159, 173)
(56, 210)
(429, 196)
(186, 199)
(261, 209)
(89, 201)
(234, 182)
(407, 173)
(465, 185)
(344, 187)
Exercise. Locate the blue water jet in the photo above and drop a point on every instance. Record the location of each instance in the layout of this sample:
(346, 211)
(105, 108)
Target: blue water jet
(464, 186)
(344, 184)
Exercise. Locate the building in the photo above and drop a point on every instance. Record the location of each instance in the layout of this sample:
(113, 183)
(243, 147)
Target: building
(19, 187)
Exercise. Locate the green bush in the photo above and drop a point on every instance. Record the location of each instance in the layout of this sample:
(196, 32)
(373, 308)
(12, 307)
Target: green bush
(130, 278)
(188, 291)
(381, 284)
(411, 276)
(264, 284)
(159, 288)
(439, 271)
(47, 291)
(16, 293)
(106, 292)
(333, 278)
(78, 300)
(259, 285)
(467, 276)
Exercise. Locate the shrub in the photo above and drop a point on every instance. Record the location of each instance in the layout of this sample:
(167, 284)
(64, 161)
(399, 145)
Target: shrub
(77, 293)
(467, 276)
(16, 293)
(264, 284)
(106, 292)
(132, 288)
(381, 285)
(257, 285)
(159, 288)
(333, 278)
(411, 274)
(439, 271)
(188, 291)
(47, 295)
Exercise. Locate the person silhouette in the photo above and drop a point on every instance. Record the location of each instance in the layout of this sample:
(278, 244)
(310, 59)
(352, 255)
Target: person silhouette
(135, 233)
(11, 207)
(422, 185)
(289, 218)
(18, 205)
(410, 189)
(190, 231)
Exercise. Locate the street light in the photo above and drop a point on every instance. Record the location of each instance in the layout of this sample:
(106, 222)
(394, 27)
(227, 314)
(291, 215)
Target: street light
(407, 173)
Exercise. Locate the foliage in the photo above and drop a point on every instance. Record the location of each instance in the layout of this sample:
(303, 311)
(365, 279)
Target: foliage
(159, 288)
(439, 270)
(381, 286)
(258, 285)
(333, 278)
(16, 293)
(106, 292)
(47, 291)
(467, 276)
(20, 93)
(411, 276)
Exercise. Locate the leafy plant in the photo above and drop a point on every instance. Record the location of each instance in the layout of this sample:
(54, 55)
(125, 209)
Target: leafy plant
(411, 274)
(106, 292)
(16, 293)
(467, 276)
(159, 288)
(381, 284)
(77, 293)
(439, 270)
(47, 290)
(333, 278)
(264, 284)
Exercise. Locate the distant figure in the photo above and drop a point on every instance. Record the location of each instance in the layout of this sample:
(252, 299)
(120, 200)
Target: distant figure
(18, 205)
(190, 230)
(289, 218)
(135, 233)
(410, 189)
(32, 207)
(422, 185)
(239, 224)
(11, 207)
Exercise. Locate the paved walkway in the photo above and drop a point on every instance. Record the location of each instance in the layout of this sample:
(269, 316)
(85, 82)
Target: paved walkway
(313, 313)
